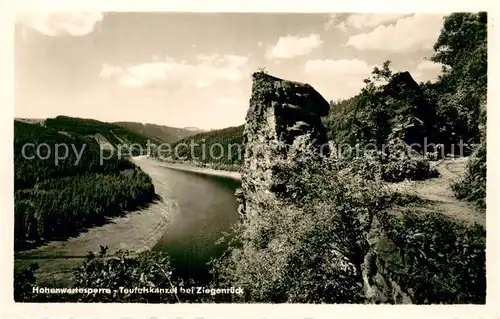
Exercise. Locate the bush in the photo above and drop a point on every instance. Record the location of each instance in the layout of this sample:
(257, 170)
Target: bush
(400, 164)
(307, 244)
(148, 269)
(413, 168)
(113, 272)
(442, 261)
(24, 281)
(310, 241)
(472, 186)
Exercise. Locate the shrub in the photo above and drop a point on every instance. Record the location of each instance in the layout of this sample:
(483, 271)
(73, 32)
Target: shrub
(113, 272)
(149, 269)
(307, 244)
(443, 261)
(472, 186)
(408, 167)
(310, 241)
(24, 281)
(399, 164)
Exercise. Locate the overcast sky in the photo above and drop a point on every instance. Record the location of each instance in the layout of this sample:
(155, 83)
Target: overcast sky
(194, 69)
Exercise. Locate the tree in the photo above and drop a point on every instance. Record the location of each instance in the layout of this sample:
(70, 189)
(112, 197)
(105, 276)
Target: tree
(462, 50)
(262, 70)
(461, 92)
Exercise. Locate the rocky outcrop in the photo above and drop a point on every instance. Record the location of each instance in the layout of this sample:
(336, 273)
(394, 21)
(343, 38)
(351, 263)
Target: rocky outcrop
(416, 117)
(382, 253)
(283, 123)
(347, 238)
(284, 119)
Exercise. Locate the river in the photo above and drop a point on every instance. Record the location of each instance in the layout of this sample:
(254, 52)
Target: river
(205, 210)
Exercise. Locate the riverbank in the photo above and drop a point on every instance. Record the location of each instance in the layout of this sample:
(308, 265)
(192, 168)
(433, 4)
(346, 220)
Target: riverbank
(191, 168)
(137, 231)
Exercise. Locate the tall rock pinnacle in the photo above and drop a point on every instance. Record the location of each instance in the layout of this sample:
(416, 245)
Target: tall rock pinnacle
(283, 119)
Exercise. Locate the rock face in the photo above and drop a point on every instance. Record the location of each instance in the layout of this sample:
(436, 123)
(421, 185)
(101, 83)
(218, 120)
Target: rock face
(419, 116)
(283, 119)
(381, 254)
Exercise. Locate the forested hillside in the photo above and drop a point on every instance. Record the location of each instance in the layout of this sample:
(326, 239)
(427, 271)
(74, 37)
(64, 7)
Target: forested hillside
(58, 196)
(222, 147)
(102, 132)
(159, 133)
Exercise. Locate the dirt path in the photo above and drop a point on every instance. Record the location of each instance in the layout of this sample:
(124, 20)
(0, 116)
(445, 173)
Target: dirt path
(137, 231)
(438, 191)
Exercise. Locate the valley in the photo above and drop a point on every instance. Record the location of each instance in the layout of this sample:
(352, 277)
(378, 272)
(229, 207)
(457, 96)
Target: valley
(379, 198)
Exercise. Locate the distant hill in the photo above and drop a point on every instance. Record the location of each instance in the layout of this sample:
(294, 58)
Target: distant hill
(30, 121)
(195, 129)
(160, 133)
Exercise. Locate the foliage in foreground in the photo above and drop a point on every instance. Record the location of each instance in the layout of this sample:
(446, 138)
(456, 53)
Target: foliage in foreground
(441, 261)
(149, 269)
(401, 163)
(120, 271)
(472, 186)
(310, 245)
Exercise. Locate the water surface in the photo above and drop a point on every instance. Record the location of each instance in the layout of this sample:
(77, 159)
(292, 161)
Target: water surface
(206, 209)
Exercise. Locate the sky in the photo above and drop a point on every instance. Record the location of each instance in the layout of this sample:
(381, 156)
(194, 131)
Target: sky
(194, 69)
